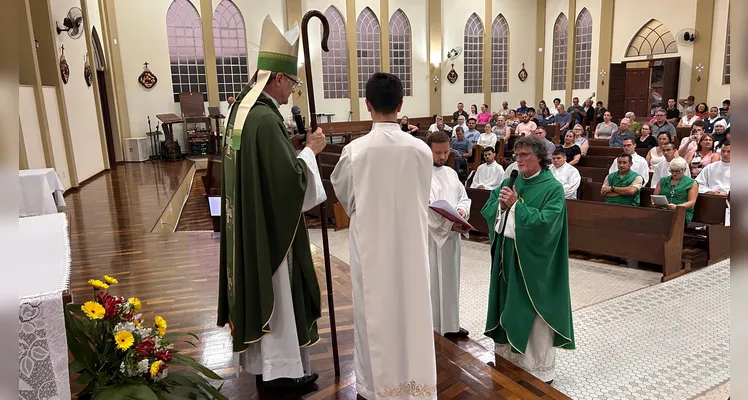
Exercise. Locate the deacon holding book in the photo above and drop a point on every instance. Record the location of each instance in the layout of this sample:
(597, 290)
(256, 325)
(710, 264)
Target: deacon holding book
(393, 354)
(444, 241)
(268, 290)
(529, 304)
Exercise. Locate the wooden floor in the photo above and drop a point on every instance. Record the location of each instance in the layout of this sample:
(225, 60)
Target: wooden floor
(175, 276)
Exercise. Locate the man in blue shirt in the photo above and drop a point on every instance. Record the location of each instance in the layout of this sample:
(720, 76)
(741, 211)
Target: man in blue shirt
(622, 133)
(472, 134)
(522, 107)
(462, 147)
(563, 119)
(576, 111)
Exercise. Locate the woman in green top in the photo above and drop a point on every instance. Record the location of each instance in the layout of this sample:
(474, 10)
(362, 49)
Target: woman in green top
(679, 188)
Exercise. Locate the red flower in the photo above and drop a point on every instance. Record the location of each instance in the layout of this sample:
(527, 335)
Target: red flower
(146, 347)
(102, 296)
(163, 355)
(127, 316)
(110, 306)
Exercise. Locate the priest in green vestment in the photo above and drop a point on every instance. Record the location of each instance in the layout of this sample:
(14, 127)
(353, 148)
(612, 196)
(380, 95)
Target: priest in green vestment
(268, 290)
(529, 304)
(623, 186)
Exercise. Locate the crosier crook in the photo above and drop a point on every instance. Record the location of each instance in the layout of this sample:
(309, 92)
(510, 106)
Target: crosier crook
(322, 215)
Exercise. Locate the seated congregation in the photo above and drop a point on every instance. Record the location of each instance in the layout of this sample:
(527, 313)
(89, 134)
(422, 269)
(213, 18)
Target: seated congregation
(602, 166)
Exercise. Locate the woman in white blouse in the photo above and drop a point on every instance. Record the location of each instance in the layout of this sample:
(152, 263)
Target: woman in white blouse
(689, 118)
(655, 155)
(487, 138)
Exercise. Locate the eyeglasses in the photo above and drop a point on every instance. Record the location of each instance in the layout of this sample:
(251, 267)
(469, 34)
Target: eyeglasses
(295, 82)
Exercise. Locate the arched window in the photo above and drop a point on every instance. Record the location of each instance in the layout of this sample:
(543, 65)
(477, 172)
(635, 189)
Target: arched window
(231, 49)
(583, 50)
(653, 38)
(335, 61)
(368, 48)
(726, 70)
(473, 38)
(499, 54)
(560, 43)
(400, 49)
(186, 55)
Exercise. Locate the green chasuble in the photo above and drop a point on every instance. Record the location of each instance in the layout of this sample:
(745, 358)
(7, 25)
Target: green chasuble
(262, 193)
(677, 194)
(616, 180)
(530, 274)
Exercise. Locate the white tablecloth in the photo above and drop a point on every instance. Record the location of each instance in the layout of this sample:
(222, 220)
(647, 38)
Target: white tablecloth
(41, 192)
(43, 352)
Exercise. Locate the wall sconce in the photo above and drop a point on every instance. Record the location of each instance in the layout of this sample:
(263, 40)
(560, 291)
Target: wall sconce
(436, 83)
(603, 72)
(699, 68)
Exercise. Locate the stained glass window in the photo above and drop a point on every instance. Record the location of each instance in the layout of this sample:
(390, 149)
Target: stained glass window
(186, 55)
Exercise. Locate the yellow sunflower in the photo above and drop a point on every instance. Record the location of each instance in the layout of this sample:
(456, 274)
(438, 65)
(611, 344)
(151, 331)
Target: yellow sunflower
(124, 340)
(97, 284)
(160, 325)
(155, 367)
(93, 310)
(135, 302)
(110, 280)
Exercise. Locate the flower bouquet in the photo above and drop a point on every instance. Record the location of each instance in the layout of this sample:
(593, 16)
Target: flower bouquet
(117, 356)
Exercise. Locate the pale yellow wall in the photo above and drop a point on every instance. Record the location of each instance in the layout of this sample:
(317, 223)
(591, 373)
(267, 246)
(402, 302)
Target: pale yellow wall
(552, 10)
(32, 137)
(94, 20)
(80, 101)
(718, 91)
(454, 18)
(522, 37)
(593, 6)
(630, 18)
(339, 107)
(55, 134)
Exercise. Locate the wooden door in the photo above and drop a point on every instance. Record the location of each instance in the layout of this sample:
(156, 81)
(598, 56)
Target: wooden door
(670, 79)
(637, 92)
(617, 91)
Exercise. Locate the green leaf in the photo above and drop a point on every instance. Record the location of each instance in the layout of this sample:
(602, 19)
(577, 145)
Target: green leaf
(179, 359)
(193, 380)
(76, 366)
(78, 341)
(163, 395)
(132, 391)
(84, 378)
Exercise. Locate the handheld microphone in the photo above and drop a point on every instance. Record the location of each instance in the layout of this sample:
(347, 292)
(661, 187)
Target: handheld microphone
(510, 185)
(298, 119)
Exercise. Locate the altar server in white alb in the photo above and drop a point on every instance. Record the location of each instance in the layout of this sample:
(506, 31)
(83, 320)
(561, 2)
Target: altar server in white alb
(489, 175)
(715, 177)
(444, 241)
(566, 174)
(639, 163)
(393, 354)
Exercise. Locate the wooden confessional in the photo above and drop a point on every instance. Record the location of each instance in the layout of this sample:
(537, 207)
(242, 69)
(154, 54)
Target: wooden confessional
(632, 84)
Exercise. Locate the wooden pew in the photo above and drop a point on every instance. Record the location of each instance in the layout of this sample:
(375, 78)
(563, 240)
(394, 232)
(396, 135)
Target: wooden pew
(552, 133)
(612, 152)
(212, 178)
(635, 233)
(595, 174)
(597, 142)
(595, 161)
(479, 198)
(708, 224)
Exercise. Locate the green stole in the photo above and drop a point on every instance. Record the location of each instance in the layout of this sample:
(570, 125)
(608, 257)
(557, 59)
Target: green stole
(615, 180)
(530, 274)
(677, 194)
(262, 193)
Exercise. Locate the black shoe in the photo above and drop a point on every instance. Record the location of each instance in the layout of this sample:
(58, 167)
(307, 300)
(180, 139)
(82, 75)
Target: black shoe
(549, 382)
(291, 383)
(461, 334)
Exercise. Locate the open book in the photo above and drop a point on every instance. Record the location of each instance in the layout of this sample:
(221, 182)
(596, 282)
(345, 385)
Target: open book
(447, 211)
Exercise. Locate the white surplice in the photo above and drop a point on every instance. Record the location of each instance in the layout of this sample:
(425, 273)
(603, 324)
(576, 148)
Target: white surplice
(510, 168)
(715, 176)
(445, 250)
(488, 175)
(278, 354)
(640, 166)
(569, 178)
(659, 171)
(393, 354)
